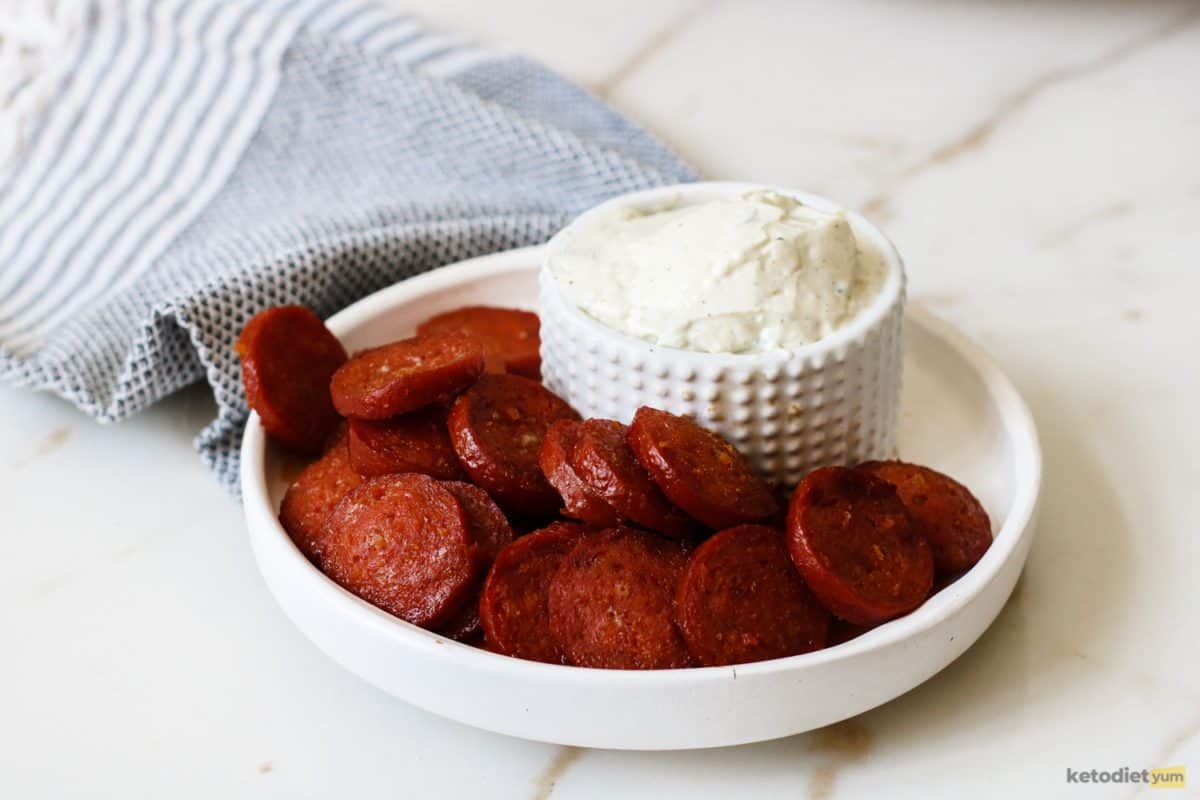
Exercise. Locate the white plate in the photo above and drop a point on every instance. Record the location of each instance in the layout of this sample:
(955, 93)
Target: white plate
(959, 414)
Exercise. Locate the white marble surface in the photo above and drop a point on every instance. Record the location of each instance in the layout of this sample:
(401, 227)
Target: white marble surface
(1037, 163)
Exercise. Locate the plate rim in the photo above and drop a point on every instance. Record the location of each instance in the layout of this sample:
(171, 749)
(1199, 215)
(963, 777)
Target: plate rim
(1020, 429)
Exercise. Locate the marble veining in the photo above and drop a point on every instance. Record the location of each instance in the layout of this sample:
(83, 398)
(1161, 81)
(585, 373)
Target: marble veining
(659, 40)
(977, 136)
(47, 445)
(550, 777)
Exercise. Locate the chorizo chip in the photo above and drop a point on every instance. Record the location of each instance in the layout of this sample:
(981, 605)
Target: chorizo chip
(288, 357)
(314, 495)
(740, 599)
(405, 544)
(514, 606)
(406, 375)
(612, 602)
(497, 427)
(953, 520)
(857, 547)
(510, 337)
(604, 461)
(413, 442)
(579, 502)
(699, 471)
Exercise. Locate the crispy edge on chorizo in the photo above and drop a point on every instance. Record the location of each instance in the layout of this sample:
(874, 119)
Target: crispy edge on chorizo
(415, 442)
(612, 602)
(497, 427)
(406, 375)
(487, 522)
(514, 605)
(510, 337)
(857, 547)
(313, 496)
(740, 599)
(953, 519)
(404, 543)
(579, 502)
(604, 461)
(700, 471)
(492, 533)
(288, 357)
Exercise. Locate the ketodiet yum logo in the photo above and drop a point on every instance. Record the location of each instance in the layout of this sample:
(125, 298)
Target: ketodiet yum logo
(1160, 778)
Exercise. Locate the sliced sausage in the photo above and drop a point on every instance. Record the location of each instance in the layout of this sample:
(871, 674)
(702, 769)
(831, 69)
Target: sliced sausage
(857, 547)
(497, 427)
(514, 605)
(611, 602)
(491, 532)
(288, 357)
(841, 631)
(943, 580)
(953, 520)
(604, 461)
(404, 543)
(488, 524)
(579, 502)
(312, 497)
(510, 337)
(465, 627)
(406, 375)
(413, 442)
(740, 599)
(699, 471)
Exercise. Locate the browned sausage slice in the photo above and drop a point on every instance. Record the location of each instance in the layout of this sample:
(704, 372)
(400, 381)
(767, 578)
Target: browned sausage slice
(510, 337)
(514, 606)
(491, 531)
(841, 631)
(603, 460)
(288, 357)
(953, 520)
(497, 427)
(740, 599)
(699, 471)
(612, 598)
(312, 497)
(413, 442)
(579, 502)
(488, 524)
(857, 547)
(406, 375)
(404, 543)
(465, 627)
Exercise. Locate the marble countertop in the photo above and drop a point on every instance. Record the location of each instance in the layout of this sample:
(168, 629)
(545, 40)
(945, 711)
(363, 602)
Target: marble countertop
(1037, 164)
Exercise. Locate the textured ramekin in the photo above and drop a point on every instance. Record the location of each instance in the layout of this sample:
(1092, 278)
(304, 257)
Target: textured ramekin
(833, 401)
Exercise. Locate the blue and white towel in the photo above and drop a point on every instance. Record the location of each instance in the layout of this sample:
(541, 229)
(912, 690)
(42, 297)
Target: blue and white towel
(172, 167)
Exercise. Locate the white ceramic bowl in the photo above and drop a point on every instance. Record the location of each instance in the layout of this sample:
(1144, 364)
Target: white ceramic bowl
(959, 413)
(833, 401)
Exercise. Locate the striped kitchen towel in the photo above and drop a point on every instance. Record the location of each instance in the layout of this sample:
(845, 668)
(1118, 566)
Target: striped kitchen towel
(170, 167)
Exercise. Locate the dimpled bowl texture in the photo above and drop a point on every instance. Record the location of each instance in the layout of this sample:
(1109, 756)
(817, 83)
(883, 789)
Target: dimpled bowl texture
(833, 401)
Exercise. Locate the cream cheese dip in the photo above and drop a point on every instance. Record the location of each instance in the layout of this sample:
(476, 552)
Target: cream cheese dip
(744, 274)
